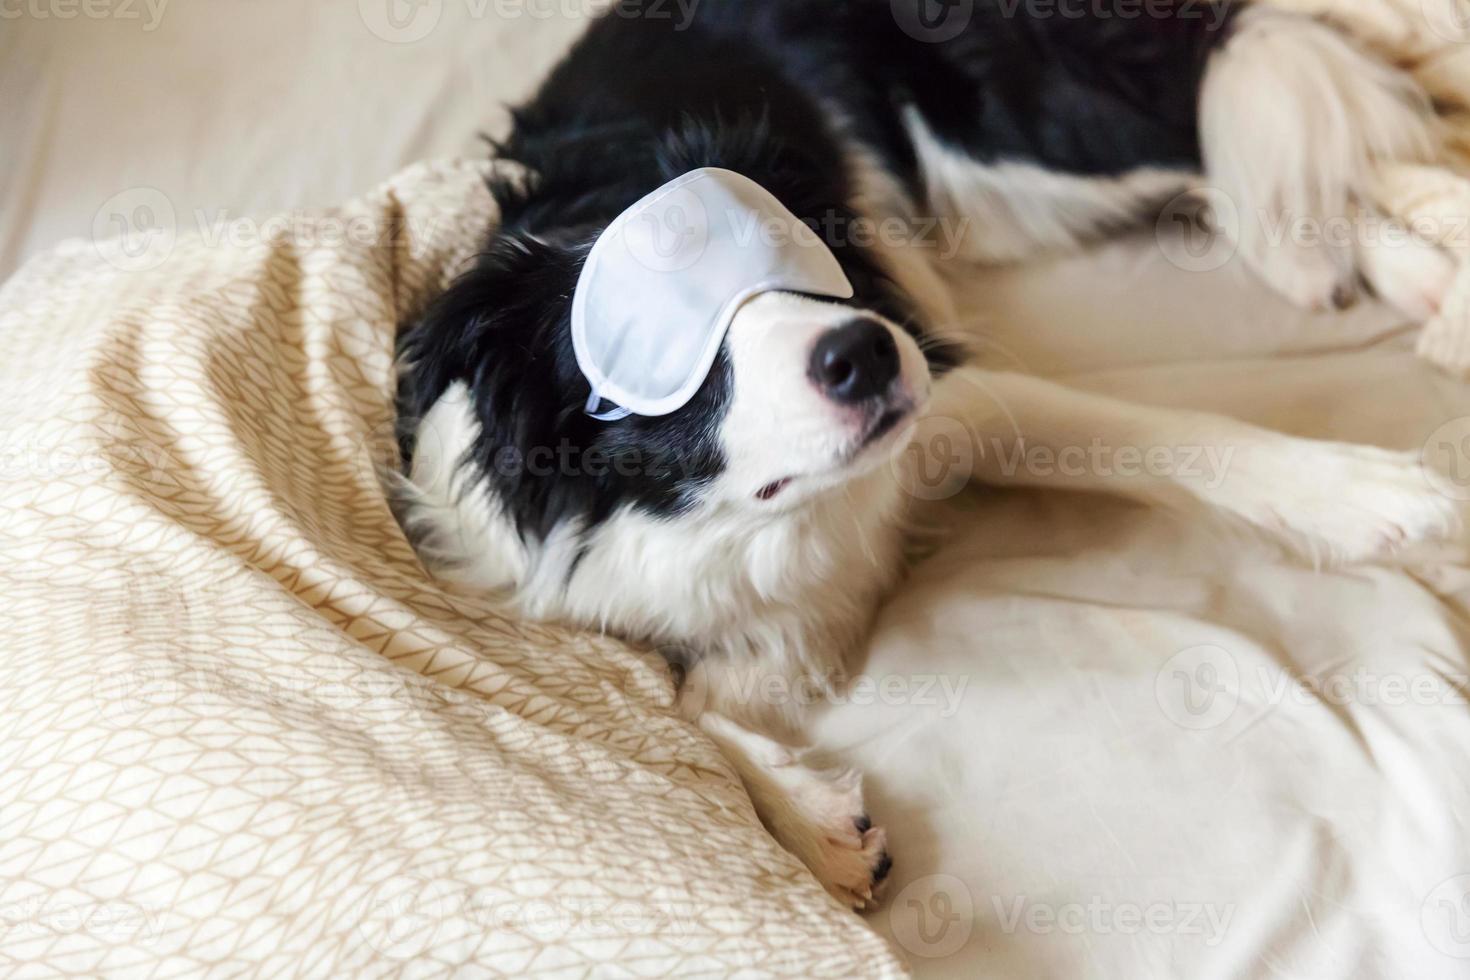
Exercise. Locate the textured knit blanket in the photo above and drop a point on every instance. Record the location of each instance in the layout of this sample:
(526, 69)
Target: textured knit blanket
(241, 730)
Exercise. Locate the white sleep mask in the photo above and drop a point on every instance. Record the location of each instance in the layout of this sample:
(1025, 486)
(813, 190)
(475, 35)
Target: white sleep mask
(663, 282)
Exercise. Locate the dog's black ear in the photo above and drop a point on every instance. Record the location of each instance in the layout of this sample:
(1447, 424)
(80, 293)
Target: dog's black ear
(499, 325)
(503, 330)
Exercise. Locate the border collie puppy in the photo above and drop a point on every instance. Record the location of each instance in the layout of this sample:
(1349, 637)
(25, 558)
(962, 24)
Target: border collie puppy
(756, 529)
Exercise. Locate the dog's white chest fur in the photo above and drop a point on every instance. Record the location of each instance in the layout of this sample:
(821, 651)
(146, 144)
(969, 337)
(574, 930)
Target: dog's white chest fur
(799, 586)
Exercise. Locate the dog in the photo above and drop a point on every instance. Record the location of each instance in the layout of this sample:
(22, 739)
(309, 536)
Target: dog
(756, 529)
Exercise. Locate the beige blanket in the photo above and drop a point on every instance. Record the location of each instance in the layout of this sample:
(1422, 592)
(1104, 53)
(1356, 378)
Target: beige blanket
(240, 729)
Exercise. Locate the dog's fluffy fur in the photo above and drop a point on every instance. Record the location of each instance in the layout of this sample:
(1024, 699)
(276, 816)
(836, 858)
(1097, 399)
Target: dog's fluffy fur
(756, 529)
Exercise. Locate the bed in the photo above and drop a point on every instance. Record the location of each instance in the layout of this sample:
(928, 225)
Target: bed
(1106, 741)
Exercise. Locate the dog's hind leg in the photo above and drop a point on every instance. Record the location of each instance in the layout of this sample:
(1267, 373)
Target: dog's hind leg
(1273, 120)
(1293, 116)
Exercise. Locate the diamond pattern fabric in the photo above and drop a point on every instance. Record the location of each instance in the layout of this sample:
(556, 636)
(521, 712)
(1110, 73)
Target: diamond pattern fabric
(241, 730)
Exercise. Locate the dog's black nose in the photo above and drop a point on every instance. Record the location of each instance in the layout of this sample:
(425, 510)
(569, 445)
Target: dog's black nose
(855, 361)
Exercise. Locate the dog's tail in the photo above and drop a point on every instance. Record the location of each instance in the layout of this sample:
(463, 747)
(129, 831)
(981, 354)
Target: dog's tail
(1293, 114)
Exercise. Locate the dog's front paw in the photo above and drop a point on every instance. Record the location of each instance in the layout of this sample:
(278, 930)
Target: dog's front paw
(827, 826)
(816, 814)
(849, 855)
(1347, 503)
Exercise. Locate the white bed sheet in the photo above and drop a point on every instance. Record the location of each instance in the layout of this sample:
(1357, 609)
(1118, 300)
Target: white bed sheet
(1177, 753)
(1065, 814)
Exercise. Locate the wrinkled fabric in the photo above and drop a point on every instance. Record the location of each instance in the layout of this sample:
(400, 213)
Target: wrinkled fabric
(242, 731)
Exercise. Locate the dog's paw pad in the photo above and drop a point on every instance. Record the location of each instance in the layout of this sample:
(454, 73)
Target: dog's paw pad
(854, 857)
(853, 867)
(834, 834)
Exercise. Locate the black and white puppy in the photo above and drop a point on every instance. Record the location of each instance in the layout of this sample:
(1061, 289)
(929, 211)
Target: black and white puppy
(756, 529)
